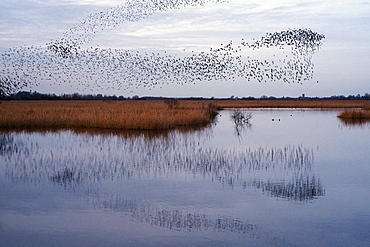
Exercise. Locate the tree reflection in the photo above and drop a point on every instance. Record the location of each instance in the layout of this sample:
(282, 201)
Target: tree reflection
(241, 121)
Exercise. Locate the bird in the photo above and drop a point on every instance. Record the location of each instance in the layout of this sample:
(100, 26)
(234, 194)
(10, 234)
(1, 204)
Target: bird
(64, 60)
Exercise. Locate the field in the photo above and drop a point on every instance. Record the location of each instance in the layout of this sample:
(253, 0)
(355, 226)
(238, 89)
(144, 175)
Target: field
(139, 114)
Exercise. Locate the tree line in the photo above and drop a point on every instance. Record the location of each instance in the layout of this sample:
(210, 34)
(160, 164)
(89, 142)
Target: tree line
(25, 95)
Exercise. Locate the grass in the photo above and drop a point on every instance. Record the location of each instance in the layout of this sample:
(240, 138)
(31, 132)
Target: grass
(138, 115)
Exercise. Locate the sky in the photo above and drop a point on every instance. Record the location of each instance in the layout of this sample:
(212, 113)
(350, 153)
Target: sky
(341, 65)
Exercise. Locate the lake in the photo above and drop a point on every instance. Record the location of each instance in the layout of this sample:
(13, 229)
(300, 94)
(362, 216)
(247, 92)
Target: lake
(295, 177)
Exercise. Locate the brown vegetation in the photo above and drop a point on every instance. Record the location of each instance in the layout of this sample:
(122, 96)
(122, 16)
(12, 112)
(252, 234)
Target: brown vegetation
(355, 114)
(322, 104)
(144, 114)
(104, 114)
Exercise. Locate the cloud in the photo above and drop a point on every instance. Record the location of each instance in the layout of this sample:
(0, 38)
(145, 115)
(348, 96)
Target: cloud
(36, 22)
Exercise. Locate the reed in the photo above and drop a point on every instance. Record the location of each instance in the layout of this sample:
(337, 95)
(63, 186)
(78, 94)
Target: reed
(355, 114)
(140, 115)
(104, 114)
(318, 104)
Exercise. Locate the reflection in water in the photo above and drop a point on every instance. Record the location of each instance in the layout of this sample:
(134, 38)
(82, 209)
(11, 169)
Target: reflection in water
(241, 121)
(300, 188)
(175, 219)
(81, 186)
(79, 161)
(7, 144)
(354, 122)
(68, 178)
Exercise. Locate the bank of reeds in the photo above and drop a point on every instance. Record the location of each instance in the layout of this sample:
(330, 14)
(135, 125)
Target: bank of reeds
(353, 117)
(355, 114)
(317, 104)
(104, 114)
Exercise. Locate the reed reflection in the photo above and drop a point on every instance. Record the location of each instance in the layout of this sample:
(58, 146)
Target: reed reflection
(68, 178)
(175, 219)
(181, 220)
(354, 122)
(8, 145)
(82, 160)
(300, 188)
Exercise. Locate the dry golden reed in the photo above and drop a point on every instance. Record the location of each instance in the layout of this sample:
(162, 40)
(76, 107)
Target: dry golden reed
(355, 114)
(321, 104)
(142, 114)
(104, 114)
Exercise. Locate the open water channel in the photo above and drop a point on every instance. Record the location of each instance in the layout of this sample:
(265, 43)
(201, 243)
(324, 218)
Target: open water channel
(289, 178)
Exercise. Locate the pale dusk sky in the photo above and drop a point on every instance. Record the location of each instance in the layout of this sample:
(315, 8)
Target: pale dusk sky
(341, 66)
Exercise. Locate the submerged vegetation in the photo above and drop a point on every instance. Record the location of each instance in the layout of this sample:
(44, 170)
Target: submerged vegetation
(240, 117)
(105, 114)
(240, 120)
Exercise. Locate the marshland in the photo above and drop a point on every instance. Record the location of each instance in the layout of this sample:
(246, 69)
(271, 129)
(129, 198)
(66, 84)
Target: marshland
(247, 175)
(147, 114)
(105, 114)
(85, 169)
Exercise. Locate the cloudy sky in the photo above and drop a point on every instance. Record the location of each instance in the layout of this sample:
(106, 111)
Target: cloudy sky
(341, 66)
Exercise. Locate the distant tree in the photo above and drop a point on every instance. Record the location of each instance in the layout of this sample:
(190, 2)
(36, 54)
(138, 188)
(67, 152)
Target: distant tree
(76, 96)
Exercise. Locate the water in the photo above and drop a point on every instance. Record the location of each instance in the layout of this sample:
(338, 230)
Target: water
(289, 178)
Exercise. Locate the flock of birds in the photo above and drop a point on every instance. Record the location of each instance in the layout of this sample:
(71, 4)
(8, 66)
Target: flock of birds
(94, 68)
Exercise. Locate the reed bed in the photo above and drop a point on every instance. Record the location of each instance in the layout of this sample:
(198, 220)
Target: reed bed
(104, 114)
(321, 104)
(355, 116)
(145, 114)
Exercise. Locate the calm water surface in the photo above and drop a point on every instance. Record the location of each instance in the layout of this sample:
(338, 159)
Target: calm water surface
(289, 178)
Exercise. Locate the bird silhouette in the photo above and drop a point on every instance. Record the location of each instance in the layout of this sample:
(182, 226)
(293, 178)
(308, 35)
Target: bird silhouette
(63, 60)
